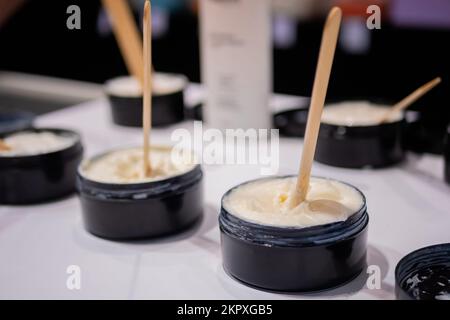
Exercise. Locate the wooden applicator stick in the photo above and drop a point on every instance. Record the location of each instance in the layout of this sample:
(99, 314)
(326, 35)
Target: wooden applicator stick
(326, 55)
(147, 89)
(127, 35)
(410, 99)
(4, 146)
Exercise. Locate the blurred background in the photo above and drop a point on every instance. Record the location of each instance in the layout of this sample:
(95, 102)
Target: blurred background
(410, 49)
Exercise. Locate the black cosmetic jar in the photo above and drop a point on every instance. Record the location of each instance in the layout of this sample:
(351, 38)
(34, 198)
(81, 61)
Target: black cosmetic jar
(360, 146)
(141, 210)
(424, 274)
(447, 156)
(167, 108)
(36, 178)
(290, 258)
(374, 146)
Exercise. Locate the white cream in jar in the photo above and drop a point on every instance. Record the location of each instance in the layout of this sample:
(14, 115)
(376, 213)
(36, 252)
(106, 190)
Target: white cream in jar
(125, 166)
(30, 143)
(268, 202)
(162, 84)
(357, 113)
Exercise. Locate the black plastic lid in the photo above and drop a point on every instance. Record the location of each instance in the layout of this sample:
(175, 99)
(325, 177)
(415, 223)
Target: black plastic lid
(424, 259)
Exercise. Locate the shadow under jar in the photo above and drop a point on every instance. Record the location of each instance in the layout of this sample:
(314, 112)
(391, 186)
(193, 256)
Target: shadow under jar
(293, 258)
(144, 209)
(40, 166)
(352, 138)
(424, 274)
(125, 97)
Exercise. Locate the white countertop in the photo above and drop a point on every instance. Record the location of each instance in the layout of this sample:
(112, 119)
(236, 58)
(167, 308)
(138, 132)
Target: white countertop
(409, 207)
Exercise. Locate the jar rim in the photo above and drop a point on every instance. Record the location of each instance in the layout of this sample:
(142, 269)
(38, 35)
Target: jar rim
(64, 152)
(292, 235)
(122, 185)
(109, 90)
(139, 190)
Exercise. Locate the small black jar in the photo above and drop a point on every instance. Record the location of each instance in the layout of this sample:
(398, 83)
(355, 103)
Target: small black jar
(36, 178)
(424, 274)
(291, 258)
(141, 210)
(360, 147)
(167, 107)
(373, 146)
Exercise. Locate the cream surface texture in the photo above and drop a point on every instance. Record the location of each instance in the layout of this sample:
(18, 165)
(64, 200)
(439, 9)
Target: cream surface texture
(163, 83)
(356, 113)
(125, 166)
(34, 143)
(268, 202)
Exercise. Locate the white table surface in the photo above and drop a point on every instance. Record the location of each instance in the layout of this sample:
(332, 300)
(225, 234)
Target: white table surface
(409, 207)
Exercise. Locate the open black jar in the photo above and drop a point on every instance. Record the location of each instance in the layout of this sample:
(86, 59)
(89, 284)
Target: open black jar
(351, 137)
(41, 165)
(125, 97)
(133, 208)
(293, 258)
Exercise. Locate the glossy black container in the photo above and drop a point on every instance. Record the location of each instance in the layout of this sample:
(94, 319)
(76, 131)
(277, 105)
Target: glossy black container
(447, 156)
(141, 210)
(430, 265)
(167, 109)
(41, 177)
(294, 259)
(415, 136)
(360, 146)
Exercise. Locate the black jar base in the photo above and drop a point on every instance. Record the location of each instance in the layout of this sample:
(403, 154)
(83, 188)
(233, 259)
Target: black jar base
(166, 110)
(360, 147)
(284, 269)
(325, 289)
(148, 236)
(142, 219)
(167, 107)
